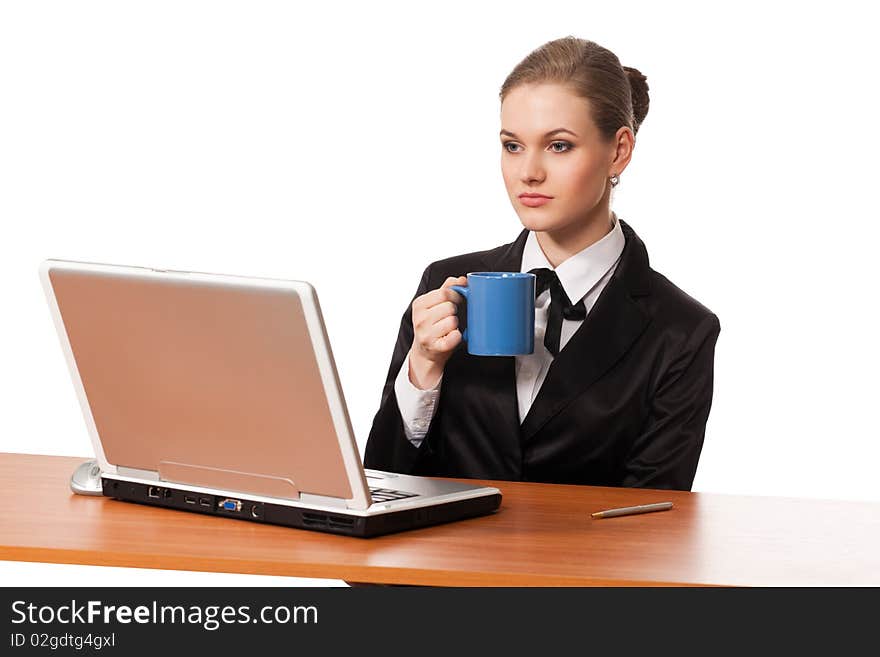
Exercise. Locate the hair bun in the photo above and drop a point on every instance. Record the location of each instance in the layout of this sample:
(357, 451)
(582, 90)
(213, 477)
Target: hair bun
(640, 100)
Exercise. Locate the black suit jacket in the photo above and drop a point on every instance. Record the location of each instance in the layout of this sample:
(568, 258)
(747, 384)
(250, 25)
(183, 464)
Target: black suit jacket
(624, 403)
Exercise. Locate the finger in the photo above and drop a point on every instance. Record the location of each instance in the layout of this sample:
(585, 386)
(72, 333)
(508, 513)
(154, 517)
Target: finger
(447, 294)
(434, 297)
(449, 341)
(454, 280)
(428, 328)
(442, 293)
(442, 327)
(443, 309)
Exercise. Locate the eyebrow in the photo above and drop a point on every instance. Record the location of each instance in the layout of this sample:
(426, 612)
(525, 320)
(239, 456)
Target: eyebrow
(549, 134)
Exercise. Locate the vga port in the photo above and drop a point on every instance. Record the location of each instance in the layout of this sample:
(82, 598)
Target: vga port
(230, 505)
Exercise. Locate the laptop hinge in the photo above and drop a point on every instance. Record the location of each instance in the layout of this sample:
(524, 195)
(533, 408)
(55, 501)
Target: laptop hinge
(245, 482)
(137, 473)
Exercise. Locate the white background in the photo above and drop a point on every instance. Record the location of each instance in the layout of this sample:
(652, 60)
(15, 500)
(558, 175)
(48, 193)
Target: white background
(352, 144)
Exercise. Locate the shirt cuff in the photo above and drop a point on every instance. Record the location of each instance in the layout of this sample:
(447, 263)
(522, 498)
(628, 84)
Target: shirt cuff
(416, 406)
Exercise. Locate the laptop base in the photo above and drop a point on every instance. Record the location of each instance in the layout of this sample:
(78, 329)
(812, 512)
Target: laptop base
(328, 521)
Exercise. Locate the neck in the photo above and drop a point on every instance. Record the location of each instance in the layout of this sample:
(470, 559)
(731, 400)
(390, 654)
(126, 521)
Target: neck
(559, 245)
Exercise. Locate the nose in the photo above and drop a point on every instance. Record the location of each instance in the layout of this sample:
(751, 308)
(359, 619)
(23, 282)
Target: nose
(532, 168)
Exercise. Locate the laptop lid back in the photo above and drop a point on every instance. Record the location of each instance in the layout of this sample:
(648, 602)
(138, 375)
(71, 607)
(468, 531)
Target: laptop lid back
(210, 380)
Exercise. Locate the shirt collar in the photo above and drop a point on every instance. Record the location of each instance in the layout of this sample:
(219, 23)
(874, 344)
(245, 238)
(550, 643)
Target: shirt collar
(579, 273)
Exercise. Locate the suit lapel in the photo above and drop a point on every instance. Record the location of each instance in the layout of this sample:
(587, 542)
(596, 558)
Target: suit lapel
(614, 323)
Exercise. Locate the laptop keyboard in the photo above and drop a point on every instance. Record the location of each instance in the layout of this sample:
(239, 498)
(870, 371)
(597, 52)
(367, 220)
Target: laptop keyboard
(388, 495)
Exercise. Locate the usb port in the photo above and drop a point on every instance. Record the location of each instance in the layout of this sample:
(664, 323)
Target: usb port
(154, 491)
(204, 501)
(189, 499)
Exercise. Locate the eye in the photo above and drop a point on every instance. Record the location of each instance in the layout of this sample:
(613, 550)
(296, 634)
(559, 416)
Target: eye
(566, 146)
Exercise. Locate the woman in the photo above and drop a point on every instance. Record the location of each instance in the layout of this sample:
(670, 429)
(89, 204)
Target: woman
(619, 388)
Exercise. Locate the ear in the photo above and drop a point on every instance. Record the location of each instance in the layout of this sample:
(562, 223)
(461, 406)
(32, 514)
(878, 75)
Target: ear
(623, 143)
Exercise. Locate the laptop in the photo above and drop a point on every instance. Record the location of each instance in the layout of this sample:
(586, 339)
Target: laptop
(219, 395)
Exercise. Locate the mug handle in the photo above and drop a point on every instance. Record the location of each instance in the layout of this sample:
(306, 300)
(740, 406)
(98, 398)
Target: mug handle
(463, 291)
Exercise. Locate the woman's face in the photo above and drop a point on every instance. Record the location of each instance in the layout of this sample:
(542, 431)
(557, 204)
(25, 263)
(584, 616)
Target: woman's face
(550, 146)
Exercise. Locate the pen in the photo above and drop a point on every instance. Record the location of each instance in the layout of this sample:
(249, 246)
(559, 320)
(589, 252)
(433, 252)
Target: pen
(629, 510)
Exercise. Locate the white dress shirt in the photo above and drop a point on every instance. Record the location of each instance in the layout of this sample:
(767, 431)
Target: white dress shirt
(583, 276)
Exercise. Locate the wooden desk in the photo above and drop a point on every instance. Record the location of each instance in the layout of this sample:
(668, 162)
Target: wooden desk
(543, 535)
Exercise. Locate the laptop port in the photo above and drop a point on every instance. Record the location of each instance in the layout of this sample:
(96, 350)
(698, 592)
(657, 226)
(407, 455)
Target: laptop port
(230, 505)
(205, 501)
(189, 499)
(154, 491)
(256, 511)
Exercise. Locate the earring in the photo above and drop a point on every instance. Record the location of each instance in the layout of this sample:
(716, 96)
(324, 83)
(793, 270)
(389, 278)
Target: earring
(614, 180)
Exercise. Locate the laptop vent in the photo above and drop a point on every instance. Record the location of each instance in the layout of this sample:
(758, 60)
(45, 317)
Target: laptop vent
(322, 520)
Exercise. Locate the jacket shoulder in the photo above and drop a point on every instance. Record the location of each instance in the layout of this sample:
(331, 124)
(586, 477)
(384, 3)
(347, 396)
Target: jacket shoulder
(461, 265)
(675, 310)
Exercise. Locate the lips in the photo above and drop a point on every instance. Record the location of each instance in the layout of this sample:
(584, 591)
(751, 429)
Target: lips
(533, 200)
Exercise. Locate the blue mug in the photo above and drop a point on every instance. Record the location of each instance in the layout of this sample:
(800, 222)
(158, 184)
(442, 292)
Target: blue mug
(500, 313)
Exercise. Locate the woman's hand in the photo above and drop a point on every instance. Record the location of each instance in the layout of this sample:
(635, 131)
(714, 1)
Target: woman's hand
(436, 334)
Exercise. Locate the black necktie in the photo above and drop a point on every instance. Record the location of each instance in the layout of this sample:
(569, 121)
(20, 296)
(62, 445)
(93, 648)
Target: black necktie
(560, 306)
